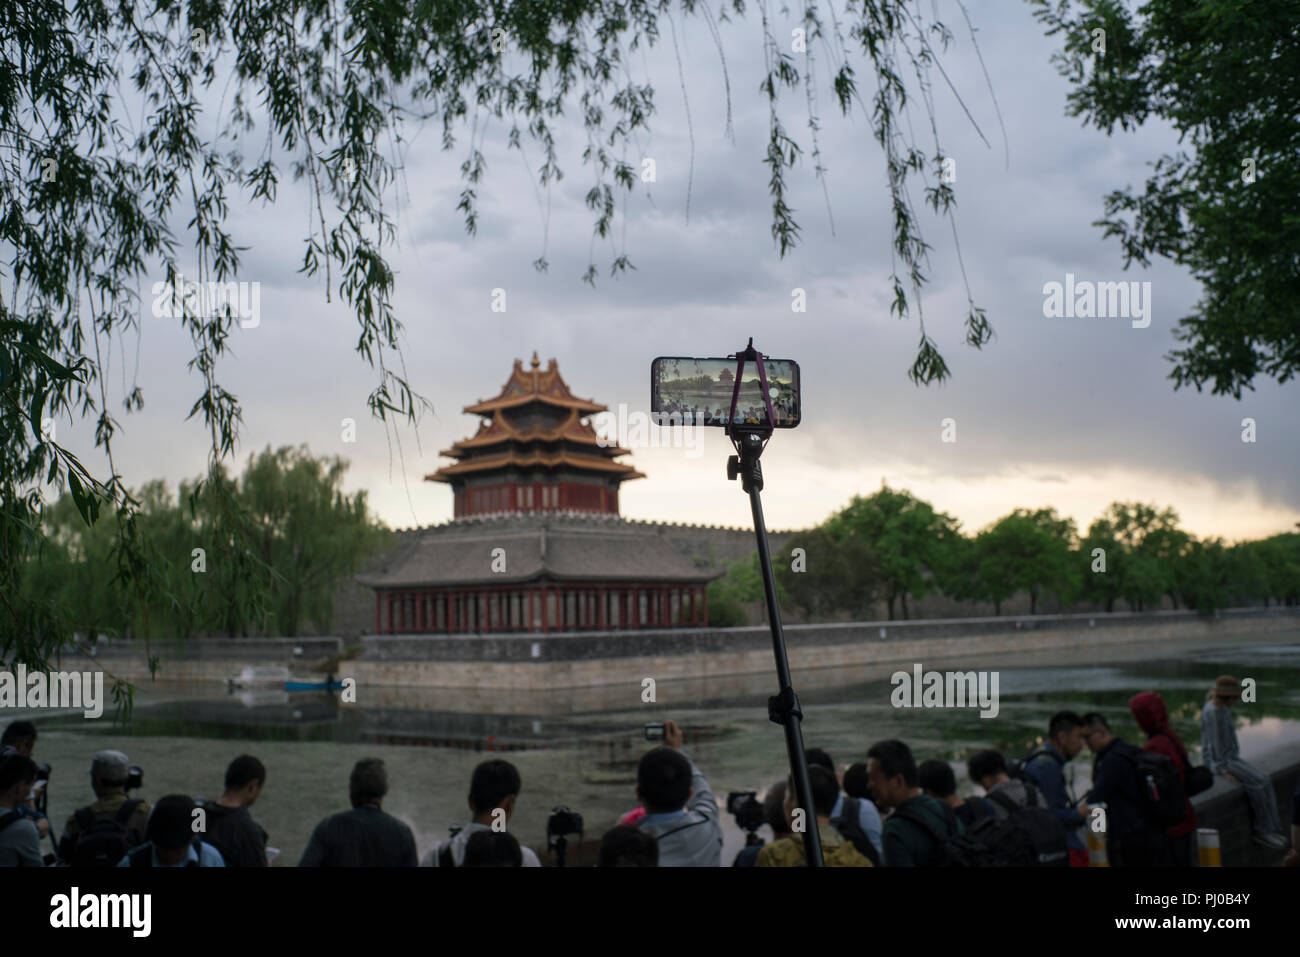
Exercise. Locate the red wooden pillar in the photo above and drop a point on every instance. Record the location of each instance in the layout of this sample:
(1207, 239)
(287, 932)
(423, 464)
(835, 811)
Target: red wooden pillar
(601, 596)
(704, 597)
(664, 607)
(377, 626)
(530, 610)
(544, 615)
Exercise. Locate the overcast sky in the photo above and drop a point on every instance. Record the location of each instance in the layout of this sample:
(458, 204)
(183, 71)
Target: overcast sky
(1072, 413)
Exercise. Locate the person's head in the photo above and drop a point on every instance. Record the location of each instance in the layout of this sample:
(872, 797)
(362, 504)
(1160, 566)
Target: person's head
(1225, 691)
(820, 758)
(1096, 732)
(987, 768)
(368, 783)
(663, 780)
(825, 792)
(171, 828)
(1065, 732)
(495, 784)
(492, 849)
(937, 779)
(244, 779)
(855, 781)
(108, 771)
(774, 810)
(891, 769)
(17, 775)
(626, 846)
(20, 735)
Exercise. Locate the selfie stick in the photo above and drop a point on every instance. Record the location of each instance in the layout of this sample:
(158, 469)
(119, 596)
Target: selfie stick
(783, 707)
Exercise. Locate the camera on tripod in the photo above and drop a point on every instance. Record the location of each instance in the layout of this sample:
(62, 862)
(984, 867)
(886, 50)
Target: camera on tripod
(748, 812)
(561, 823)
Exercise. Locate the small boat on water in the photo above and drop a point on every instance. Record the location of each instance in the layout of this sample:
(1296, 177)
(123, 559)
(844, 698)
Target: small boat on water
(312, 686)
(260, 676)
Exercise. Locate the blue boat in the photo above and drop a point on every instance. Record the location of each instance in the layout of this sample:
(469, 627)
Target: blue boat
(312, 686)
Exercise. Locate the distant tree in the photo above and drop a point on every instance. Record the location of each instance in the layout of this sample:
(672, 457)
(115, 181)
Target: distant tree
(1024, 551)
(838, 575)
(913, 543)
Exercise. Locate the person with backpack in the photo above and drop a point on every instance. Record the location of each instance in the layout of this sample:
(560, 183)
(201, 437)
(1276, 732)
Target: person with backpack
(681, 811)
(493, 790)
(100, 834)
(1152, 717)
(937, 779)
(837, 851)
(170, 838)
(915, 832)
(1045, 769)
(1134, 836)
(1021, 831)
(1004, 794)
(19, 737)
(855, 817)
(20, 841)
(1223, 757)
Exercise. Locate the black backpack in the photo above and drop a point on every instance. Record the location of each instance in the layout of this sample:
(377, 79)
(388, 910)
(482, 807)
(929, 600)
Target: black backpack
(1199, 778)
(142, 856)
(1028, 837)
(850, 829)
(103, 842)
(949, 844)
(1161, 798)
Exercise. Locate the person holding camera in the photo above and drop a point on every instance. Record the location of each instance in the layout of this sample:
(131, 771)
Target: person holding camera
(681, 811)
(20, 842)
(20, 738)
(101, 834)
(493, 789)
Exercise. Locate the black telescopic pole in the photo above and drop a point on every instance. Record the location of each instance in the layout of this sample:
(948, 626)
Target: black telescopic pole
(783, 709)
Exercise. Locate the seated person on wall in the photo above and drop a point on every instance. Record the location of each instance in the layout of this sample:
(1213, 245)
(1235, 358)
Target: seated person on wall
(1222, 756)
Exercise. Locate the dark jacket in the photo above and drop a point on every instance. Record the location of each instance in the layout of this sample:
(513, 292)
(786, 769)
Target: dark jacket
(908, 844)
(1149, 710)
(362, 837)
(1046, 772)
(233, 832)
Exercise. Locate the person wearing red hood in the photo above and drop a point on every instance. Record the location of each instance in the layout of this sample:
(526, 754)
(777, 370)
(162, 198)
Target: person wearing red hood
(1152, 717)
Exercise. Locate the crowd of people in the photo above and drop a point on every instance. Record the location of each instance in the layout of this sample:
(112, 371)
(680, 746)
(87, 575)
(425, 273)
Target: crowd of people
(885, 811)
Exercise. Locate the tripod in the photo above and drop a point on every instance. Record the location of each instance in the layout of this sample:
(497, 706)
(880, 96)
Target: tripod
(783, 707)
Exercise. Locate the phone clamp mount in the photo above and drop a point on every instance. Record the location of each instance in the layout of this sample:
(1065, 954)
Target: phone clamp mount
(750, 438)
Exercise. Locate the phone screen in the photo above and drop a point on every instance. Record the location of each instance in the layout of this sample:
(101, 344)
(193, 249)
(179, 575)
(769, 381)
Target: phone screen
(692, 391)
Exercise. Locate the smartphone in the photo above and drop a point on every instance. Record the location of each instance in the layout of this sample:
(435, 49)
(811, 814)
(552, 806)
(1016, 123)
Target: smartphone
(654, 730)
(690, 391)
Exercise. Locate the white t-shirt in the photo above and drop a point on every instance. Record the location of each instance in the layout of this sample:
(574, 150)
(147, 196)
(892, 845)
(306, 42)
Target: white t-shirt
(458, 848)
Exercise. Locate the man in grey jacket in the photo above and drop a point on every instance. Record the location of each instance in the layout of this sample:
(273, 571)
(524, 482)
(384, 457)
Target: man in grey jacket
(681, 811)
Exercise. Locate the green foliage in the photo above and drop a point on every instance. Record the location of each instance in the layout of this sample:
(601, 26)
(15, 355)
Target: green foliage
(307, 532)
(740, 586)
(917, 548)
(831, 576)
(1226, 76)
(1024, 551)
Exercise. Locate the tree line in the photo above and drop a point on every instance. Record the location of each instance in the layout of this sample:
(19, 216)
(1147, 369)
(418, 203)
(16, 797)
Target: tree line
(891, 547)
(303, 534)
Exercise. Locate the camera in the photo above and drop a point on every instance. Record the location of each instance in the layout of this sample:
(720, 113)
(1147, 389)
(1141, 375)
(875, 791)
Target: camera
(654, 730)
(563, 821)
(745, 808)
(134, 778)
